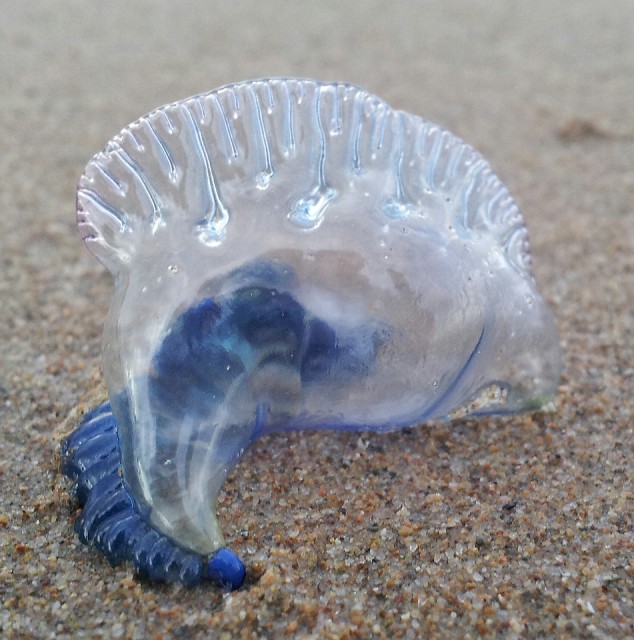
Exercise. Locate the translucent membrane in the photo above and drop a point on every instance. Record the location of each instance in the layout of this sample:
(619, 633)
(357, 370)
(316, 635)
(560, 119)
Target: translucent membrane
(290, 254)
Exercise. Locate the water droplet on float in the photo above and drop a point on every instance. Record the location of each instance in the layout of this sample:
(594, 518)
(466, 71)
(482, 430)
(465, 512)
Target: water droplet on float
(263, 179)
(308, 212)
(397, 209)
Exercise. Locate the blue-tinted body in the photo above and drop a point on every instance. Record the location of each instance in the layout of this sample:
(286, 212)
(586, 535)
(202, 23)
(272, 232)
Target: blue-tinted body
(289, 254)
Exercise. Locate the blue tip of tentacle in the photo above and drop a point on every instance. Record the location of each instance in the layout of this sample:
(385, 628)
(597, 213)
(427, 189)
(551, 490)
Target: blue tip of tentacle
(226, 569)
(113, 522)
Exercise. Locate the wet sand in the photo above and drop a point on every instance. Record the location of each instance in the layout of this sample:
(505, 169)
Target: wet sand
(505, 527)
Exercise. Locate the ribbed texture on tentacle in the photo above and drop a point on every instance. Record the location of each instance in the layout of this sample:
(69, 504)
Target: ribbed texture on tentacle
(111, 520)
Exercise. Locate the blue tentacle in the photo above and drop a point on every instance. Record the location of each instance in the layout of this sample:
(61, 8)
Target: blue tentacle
(113, 522)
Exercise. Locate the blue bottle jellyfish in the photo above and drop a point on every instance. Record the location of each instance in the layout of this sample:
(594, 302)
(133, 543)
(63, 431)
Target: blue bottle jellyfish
(288, 254)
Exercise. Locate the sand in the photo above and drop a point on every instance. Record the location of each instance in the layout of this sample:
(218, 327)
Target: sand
(506, 527)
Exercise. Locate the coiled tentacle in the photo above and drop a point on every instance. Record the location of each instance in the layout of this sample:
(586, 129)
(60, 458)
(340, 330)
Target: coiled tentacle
(113, 521)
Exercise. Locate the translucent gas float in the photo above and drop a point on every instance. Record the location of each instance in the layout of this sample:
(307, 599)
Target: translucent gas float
(287, 255)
